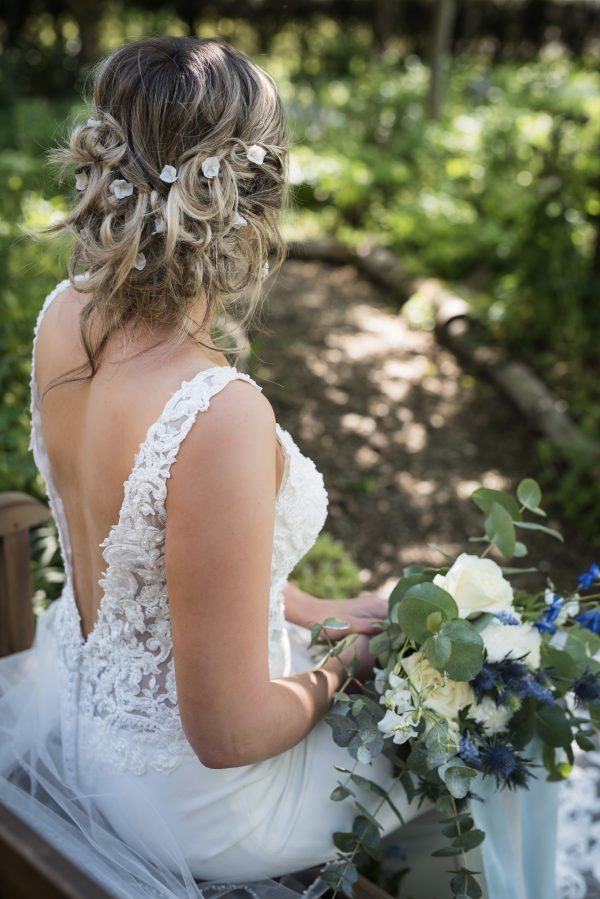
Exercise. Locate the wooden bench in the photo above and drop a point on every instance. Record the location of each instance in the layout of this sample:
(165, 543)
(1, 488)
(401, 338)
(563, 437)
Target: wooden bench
(30, 867)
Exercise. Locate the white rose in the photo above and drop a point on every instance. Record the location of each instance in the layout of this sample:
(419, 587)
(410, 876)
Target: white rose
(512, 641)
(493, 718)
(441, 694)
(476, 585)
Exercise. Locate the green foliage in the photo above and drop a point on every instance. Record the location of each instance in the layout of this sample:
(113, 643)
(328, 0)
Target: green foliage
(327, 570)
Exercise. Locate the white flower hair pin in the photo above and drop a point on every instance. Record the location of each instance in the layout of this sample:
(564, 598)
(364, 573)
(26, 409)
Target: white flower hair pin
(93, 123)
(256, 154)
(81, 180)
(168, 174)
(211, 167)
(121, 188)
(140, 262)
(159, 226)
(238, 220)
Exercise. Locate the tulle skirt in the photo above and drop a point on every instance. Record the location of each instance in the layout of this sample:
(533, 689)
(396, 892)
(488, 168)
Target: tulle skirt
(175, 834)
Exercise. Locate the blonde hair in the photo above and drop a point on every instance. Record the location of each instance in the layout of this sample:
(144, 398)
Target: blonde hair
(174, 101)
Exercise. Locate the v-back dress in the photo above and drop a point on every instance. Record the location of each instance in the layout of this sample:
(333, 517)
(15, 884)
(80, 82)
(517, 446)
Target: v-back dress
(95, 722)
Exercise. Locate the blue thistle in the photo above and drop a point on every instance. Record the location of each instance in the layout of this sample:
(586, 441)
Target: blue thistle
(485, 683)
(538, 690)
(590, 620)
(588, 577)
(587, 688)
(468, 751)
(502, 762)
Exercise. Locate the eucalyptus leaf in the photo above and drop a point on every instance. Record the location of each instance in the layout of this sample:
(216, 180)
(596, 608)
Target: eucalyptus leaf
(485, 498)
(534, 526)
(418, 603)
(500, 530)
(340, 792)
(465, 885)
(466, 656)
(438, 649)
(520, 550)
(529, 493)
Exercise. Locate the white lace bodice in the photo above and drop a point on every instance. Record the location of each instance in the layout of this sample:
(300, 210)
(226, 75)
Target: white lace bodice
(122, 679)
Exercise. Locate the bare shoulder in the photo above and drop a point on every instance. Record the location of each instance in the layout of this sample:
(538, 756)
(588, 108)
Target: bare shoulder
(234, 434)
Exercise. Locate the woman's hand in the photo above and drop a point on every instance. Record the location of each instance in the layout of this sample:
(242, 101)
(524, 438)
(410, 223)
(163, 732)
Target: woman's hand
(361, 613)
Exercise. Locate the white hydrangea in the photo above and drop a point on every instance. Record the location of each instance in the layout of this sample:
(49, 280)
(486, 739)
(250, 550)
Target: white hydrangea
(494, 718)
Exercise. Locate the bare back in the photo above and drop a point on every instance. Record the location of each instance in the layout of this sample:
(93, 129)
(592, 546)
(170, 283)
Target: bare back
(93, 429)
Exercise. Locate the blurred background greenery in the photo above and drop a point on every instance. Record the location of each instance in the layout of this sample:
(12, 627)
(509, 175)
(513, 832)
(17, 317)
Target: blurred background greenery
(465, 136)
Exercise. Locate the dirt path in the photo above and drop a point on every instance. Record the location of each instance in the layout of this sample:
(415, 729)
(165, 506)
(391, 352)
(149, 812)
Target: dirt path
(400, 432)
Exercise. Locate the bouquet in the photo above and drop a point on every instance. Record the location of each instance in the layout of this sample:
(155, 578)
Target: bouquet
(470, 670)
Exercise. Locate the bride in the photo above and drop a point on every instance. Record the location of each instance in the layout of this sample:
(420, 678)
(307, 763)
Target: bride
(166, 728)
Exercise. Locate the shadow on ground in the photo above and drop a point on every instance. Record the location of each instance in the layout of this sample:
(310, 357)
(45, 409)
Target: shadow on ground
(400, 432)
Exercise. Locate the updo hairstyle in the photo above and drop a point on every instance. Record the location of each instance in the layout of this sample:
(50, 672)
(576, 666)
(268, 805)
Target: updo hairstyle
(180, 177)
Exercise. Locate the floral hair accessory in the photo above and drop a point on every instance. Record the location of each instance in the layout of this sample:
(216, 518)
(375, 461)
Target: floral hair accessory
(211, 166)
(81, 180)
(168, 174)
(121, 188)
(140, 261)
(239, 220)
(159, 226)
(256, 154)
(93, 123)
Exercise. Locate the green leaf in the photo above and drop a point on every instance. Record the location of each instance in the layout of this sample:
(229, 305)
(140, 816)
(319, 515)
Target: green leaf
(363, 754)
(340, 792)
(314, 634)
(520, 550)
(529, 493)
(418, 603)
(552, 725)
(341, 697)
(437, 649)
(481, 621)
(402, 587)
(470, 839)
(369, 785)
(434, 622)
(459, 825)
(380, 644)
(485, 498)
(343, 728)
(559, 662)
(457, 778)
(466, 656)
(534, 526)
(346, 842)
(465, 885)
(500, 530)
(446, 851)
(357, 707)
(368, 815)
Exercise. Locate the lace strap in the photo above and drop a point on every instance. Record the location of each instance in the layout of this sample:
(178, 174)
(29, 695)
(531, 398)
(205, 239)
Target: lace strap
(62, 285)
(145, 490)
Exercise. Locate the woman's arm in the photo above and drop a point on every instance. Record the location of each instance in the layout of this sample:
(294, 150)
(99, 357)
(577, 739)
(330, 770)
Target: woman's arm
(218, 554)
(361, 612)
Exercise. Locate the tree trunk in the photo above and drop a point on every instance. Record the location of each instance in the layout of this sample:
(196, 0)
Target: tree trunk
(443, 23)
(87, 14)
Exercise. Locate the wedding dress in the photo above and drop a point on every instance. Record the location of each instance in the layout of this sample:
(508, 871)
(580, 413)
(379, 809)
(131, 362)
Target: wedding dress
(92, 750)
